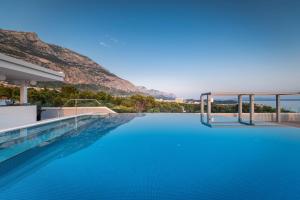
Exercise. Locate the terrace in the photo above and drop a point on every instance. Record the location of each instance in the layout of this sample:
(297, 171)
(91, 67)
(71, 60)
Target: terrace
(278, 117)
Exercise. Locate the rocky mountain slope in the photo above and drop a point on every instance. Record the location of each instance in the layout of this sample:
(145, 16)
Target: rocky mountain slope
(79, 69)
(156, 93)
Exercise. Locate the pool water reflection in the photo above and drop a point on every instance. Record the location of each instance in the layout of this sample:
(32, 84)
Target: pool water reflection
(153, 156)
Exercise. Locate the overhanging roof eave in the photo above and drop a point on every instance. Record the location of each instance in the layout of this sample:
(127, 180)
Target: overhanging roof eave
(15, 69)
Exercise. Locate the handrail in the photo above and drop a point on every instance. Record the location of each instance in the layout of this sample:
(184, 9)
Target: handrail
(76, 101)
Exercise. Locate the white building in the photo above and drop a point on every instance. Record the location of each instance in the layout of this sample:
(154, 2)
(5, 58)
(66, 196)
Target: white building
(23, 74)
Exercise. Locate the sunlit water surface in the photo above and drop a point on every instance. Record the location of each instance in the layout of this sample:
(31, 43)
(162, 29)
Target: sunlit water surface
(152, 156)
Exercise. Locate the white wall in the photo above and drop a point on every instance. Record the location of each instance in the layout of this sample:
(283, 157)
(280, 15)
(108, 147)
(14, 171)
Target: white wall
(12, 116)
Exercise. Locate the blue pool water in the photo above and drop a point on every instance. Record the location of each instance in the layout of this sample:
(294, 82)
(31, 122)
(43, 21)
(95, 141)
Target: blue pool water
(152, 156)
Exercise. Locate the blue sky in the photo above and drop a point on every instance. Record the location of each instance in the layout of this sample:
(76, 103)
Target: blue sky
(184, 47)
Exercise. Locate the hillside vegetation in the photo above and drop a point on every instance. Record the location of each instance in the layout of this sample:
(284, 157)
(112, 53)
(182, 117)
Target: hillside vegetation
(131, 104)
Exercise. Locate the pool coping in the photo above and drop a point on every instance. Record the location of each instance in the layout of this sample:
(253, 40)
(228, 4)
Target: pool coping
(43, 122)
(87, 114)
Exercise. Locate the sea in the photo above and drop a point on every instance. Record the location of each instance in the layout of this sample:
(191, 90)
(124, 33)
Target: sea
(291, 104)
(286, 104)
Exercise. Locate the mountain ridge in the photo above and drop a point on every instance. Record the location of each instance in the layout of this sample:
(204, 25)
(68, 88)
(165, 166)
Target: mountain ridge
(79, 69)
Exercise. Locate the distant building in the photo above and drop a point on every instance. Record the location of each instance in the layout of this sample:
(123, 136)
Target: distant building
(179, 100)
(164, 100)
(191, 101)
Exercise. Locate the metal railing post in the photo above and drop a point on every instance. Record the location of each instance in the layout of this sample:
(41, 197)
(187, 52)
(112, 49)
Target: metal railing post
(76, 106)
(202, 104)
(251, 108)
(208, 108)
(240, 107)
(278, 116)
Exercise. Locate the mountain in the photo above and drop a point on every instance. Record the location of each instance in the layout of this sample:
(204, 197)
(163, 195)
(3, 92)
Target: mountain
(156, 93)
(79, 69)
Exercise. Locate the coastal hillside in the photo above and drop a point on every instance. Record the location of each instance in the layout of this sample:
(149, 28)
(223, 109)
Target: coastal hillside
(79, 69)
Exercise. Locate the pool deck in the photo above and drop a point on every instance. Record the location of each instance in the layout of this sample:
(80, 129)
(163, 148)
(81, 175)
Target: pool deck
(291, 124)
(260, 119)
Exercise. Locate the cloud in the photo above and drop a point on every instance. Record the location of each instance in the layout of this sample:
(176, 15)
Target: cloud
(109, 41)
(103, 44)
(112, 39)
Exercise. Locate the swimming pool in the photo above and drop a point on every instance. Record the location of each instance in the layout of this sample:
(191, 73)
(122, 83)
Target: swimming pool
(149, 156)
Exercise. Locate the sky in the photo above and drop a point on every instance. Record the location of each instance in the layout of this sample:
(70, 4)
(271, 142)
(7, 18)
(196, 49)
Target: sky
(183, 47)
